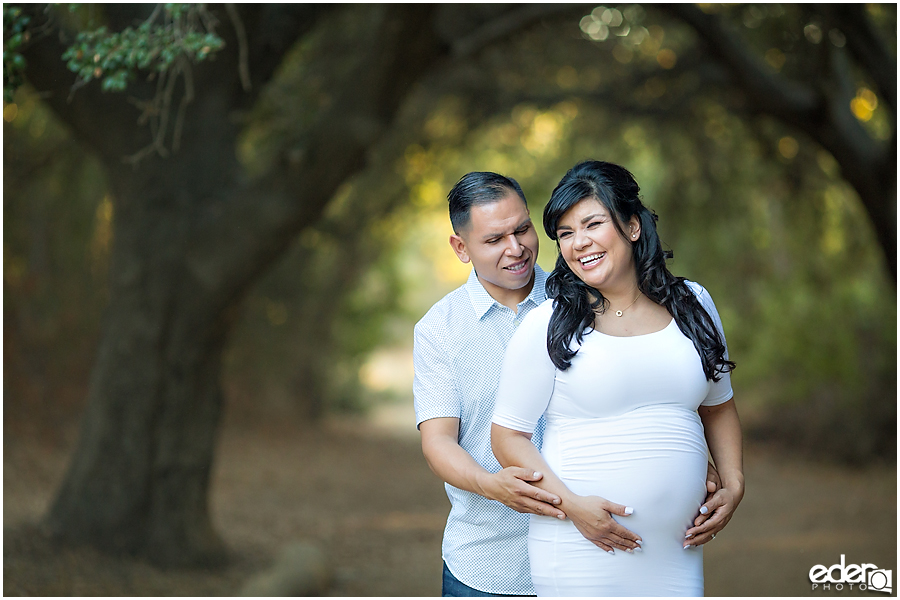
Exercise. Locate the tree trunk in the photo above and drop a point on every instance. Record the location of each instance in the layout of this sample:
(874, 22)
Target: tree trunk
(140, 476)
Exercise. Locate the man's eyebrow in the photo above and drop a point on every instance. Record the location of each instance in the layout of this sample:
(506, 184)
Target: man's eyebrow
(490, 236)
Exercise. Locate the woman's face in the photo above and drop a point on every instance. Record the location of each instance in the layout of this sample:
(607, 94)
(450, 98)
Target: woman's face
(595, 250)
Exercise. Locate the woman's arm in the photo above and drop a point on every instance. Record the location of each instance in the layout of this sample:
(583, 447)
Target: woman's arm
(723, 436)
(590, 514)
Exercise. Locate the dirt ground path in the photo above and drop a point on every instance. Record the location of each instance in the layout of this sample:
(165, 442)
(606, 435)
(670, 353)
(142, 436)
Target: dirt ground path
(363, 493)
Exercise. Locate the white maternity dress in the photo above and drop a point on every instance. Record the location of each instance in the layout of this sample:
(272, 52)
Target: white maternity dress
(622, 424)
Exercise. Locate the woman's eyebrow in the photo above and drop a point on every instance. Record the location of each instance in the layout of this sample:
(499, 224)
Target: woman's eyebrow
(583, 221)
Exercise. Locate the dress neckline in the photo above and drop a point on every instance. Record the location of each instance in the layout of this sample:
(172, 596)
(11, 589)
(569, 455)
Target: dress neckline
(625, 337)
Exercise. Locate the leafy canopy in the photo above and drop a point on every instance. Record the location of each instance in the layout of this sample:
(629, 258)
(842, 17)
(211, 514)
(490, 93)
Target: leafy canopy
(173, 32)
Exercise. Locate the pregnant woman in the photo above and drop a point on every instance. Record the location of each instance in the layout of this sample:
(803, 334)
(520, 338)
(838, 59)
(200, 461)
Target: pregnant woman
(630, 366)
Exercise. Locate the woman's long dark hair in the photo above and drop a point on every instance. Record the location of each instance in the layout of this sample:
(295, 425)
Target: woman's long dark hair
(576, 302)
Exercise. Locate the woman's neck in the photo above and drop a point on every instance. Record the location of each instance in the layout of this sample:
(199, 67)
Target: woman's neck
(621, 295)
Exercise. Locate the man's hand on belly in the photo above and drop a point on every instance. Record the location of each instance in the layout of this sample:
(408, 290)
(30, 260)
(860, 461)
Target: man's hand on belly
(510, 486)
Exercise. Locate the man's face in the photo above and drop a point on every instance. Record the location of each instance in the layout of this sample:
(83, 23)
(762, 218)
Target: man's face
(501, 243)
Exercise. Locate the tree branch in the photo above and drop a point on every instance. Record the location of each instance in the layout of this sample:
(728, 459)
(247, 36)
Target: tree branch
(867, 45)
(507, 24)
(108, 123)
(823, 114)
(773, 93)
(257, 223)
(90, 112)
(272, 30)
(243, 66)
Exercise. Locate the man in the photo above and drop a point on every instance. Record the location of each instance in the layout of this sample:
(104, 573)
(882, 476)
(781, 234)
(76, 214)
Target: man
(458, 353)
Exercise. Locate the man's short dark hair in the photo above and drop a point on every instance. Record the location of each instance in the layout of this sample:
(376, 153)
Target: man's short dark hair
(475, 189)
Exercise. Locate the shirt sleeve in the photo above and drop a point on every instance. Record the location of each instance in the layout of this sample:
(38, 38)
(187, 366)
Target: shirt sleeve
(528, 374)
(434, 389)
(719, 391)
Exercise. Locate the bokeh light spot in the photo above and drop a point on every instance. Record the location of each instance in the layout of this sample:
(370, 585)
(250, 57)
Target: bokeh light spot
(611, 17)
(666, 58)
(567, 77)
(623, 54)
(788, 147)
(753, 16)
(775, 58)
(10, 111)
(598, 31)
(276, 313)
(864, 105)
(837, 38)
(813, 33)
(655, 87)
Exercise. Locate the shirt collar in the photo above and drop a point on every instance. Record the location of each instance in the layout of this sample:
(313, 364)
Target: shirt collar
(482, 301)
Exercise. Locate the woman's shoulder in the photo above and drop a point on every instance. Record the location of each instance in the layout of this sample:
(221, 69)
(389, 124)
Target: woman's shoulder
(703, 296)
(701, 292)
(695, 287)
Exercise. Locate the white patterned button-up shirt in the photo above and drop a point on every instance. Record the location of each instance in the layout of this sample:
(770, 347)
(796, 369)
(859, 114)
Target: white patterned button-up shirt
(458, 354)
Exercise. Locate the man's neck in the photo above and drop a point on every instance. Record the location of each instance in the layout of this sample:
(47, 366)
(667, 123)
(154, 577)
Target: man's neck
(506, 297)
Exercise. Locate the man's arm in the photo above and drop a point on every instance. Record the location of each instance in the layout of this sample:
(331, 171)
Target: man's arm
(509, 486)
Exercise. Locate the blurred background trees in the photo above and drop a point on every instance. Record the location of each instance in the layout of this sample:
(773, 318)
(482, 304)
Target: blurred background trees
(763, 135)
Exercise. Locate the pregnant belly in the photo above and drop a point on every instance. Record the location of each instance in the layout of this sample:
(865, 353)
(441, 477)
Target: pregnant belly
(652, 459)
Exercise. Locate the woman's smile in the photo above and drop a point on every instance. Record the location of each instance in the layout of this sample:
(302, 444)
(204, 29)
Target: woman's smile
(592, 260)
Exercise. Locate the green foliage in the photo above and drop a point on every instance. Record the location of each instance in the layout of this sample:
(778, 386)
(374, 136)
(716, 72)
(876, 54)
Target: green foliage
(116, 57)
(15, 34)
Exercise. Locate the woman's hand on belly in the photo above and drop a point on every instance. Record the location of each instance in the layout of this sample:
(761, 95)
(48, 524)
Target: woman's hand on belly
(723, 435)
(592, 516)
(723, 504)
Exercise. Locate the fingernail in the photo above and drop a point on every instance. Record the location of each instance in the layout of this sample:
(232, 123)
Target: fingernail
(638, 549)
(628, 510)
(686, 546)
(612, 552)
(688, 536)
(639, 542)
(537, 473)
(703, 510)
(561, 517)
(629, 551)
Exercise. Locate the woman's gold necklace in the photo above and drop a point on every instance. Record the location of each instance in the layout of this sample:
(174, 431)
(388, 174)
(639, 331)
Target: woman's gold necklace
(619, 312)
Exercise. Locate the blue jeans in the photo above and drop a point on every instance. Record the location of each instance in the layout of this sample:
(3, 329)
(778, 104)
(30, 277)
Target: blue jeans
(456, 588)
